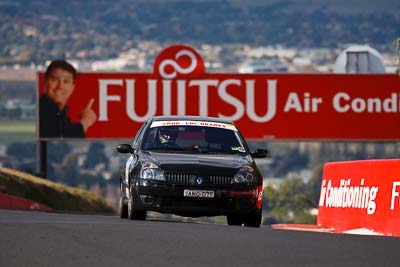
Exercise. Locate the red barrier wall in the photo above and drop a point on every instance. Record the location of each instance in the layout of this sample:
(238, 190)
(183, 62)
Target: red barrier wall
(13, 202)
(361, 194)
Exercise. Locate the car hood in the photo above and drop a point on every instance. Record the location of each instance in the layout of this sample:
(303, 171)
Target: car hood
(201, 164)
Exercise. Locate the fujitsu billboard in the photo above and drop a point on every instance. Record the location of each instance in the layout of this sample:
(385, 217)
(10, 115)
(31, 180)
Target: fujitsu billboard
(264, 106)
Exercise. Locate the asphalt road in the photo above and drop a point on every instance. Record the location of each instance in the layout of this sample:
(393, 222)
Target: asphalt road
(52, 239)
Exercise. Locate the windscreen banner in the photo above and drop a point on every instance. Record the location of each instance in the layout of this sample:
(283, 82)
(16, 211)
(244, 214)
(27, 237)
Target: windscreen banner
(361, 196)
(263, 106)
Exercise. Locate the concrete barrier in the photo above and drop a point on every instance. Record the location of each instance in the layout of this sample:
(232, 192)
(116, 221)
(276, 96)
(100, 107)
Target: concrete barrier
(361, 196)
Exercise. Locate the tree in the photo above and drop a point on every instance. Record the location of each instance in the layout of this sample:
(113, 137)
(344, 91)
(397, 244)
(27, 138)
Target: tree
(315, 182)
(89, 180)
(291, 161)
(22, 150)
(68, 170)
(290, 202)
(95, 155)
(57, 151)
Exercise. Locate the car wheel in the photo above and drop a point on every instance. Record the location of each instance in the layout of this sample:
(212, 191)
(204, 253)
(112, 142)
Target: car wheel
(123, 209)
(253, 219)
(134, 214)
(234, 220)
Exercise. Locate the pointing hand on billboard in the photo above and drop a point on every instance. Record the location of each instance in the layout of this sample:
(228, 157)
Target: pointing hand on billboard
(88, 117)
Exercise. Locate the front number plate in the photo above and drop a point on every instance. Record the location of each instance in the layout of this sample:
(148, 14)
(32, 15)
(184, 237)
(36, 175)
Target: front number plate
(198, 193)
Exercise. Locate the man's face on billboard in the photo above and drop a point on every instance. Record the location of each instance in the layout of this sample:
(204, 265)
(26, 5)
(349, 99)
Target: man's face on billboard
(59, 86)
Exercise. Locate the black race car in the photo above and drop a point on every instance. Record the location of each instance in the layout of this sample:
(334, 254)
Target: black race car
(191, 166)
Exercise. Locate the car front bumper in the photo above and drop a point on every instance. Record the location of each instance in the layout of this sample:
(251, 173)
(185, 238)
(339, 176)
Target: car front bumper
(167, 198)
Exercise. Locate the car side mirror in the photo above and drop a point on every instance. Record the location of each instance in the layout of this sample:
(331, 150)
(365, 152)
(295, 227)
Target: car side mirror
(260, 153)
(125, 148)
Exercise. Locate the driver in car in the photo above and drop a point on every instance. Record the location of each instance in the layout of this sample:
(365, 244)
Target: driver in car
(167, 136)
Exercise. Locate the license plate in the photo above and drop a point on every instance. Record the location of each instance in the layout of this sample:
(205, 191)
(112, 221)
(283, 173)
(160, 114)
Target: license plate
(198, 193)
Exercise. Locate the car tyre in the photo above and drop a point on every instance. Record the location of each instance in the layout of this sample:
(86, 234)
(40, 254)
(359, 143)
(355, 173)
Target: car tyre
(254, 219)
(134, 214)
(234, 220)
(123, 209)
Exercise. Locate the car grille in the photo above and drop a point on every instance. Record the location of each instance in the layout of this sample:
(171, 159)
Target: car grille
(181, 178)
(220, 179)
(178, 178)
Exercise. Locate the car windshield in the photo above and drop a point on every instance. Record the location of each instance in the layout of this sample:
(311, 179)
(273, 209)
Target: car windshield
(193, 139)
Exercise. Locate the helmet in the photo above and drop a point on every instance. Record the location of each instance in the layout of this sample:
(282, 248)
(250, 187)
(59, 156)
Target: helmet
(167, 134)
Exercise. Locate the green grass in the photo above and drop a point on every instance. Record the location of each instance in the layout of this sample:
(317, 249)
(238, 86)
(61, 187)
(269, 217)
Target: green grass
(17, 131)
(17, 126)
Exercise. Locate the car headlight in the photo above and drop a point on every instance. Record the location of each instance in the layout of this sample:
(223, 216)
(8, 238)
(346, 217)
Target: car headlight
(151, 171)
(244, 175)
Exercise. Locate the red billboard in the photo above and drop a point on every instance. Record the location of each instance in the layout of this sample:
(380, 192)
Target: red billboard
(264, 106)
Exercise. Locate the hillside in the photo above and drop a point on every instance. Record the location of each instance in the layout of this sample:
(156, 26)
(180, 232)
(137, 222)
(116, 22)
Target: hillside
(56, 196)
(34, 31)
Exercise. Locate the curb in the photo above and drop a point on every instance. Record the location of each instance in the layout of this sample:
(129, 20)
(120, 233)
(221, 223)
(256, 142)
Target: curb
(14, 202)
(303, 227)
(322, 229)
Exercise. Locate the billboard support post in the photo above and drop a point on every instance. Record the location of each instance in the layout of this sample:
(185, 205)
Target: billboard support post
(41, 155)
